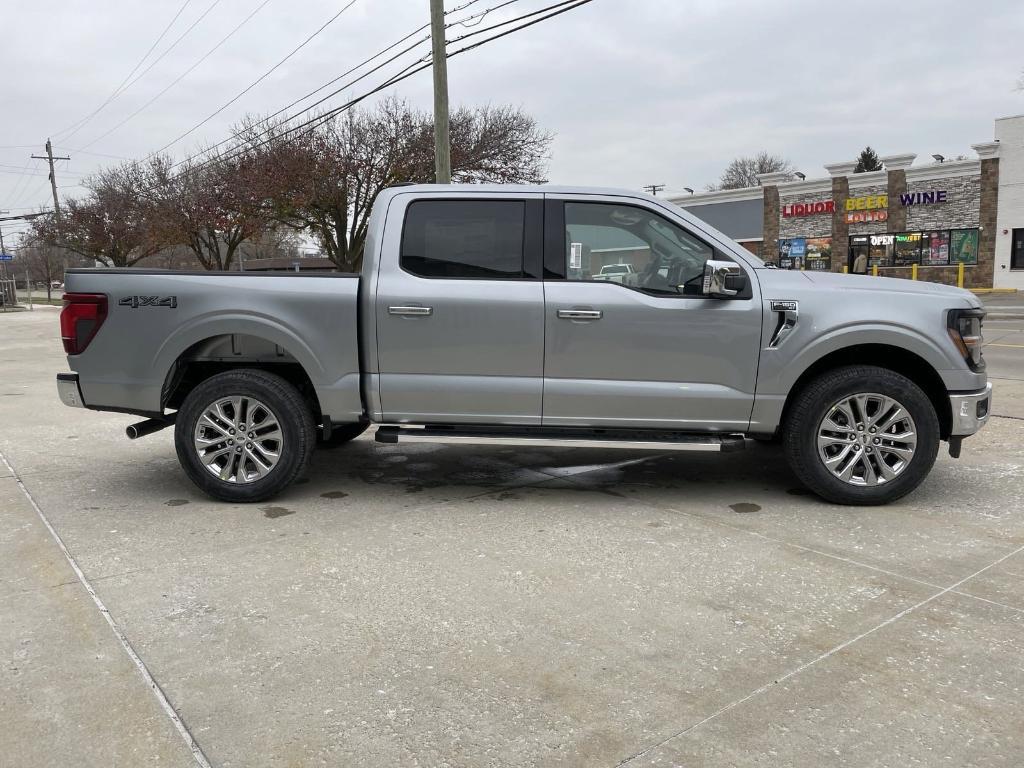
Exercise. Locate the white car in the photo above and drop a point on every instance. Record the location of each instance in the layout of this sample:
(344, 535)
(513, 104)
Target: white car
(615, 273)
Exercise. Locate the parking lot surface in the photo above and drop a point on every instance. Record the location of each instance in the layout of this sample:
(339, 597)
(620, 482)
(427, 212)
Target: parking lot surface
(467, 606)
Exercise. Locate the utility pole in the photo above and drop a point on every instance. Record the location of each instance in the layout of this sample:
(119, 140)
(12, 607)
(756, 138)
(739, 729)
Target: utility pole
(654, 189)
(442, 146)
(53, 176)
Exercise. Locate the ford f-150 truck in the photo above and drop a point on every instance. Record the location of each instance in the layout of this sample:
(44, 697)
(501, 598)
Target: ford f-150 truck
(477, 319)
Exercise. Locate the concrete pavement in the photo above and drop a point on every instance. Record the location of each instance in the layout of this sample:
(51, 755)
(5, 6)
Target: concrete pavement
(452, 606)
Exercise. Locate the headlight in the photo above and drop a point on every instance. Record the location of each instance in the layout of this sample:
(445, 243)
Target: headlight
(965, 331)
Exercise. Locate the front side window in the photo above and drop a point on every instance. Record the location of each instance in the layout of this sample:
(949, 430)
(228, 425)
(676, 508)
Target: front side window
(634, 247)
(480, 239)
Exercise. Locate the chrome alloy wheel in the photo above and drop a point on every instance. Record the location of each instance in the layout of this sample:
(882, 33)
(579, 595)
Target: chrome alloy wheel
(238, 439)
(867, 439)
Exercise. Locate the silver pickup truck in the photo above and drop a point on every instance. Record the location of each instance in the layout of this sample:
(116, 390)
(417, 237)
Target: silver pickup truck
(479, 318)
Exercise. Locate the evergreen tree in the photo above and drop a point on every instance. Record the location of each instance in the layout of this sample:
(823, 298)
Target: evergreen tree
(868, 161)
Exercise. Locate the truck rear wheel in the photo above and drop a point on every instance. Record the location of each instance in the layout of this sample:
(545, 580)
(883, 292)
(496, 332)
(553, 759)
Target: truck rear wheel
(244, 435)
(861, 435)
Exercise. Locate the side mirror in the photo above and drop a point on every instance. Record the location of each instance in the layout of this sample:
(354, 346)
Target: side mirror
(723, 279)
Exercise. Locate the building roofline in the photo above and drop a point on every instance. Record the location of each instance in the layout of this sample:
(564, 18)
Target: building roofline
(718, 196)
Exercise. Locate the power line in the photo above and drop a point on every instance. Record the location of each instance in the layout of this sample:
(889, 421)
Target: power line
(512, 20)
(409, 71)
(89, 152)
(346, 73)
(21, 182)
(183, 75)
(81, 123)
(258, 80)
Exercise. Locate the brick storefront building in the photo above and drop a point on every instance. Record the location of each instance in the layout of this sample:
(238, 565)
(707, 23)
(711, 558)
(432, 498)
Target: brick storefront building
(909, 219)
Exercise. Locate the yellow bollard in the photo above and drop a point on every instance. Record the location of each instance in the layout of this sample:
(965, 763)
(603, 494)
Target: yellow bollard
(874, 270)
(846, 269)
(913, 271)
(960, 275)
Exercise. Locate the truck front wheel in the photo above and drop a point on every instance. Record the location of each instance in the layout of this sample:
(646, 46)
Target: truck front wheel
(244, 435)
(861, 435)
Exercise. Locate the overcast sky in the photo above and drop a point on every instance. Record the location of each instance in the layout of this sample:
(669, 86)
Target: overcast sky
(636, 91)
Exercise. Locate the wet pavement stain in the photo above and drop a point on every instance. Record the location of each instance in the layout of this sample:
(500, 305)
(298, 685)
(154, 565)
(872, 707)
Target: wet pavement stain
(745, 507)
(175, 502)
(273, 512)
(333, 495)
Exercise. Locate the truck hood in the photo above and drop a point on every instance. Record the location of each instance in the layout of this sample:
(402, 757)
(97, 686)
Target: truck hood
(833, 281)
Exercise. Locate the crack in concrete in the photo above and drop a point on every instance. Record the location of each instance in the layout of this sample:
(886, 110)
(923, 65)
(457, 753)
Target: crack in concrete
(154, 686)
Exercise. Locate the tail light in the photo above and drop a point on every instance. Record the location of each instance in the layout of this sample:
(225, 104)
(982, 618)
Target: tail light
(81, 318)
(965, 330)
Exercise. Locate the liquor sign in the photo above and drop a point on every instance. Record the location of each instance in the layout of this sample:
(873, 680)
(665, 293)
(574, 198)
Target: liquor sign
(808, 209)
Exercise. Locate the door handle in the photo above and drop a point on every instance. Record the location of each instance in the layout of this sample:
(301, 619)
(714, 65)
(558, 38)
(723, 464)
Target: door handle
(580, 314)
(411, 311)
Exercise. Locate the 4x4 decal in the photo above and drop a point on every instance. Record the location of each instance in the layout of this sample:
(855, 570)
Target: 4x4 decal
(149, 301)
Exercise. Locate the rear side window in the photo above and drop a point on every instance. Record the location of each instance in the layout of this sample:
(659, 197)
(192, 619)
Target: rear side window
(480, 239)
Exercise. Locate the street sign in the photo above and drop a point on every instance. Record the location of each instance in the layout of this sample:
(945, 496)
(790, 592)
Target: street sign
(6, 257)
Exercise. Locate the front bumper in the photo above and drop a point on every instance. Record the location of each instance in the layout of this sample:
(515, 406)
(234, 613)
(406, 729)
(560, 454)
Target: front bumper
(970, 411)
(68, 390)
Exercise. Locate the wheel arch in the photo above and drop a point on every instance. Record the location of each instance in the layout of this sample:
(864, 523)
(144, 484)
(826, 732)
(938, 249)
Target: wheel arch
(222, 352)
(897, 359)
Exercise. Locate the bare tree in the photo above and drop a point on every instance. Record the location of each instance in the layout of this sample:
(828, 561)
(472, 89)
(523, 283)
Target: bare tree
(743, 171)
(209, 206)
(109, 224)
(328, 178)
(44, 263)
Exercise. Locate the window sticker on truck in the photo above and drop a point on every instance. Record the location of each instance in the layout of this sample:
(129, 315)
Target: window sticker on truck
(149, 301)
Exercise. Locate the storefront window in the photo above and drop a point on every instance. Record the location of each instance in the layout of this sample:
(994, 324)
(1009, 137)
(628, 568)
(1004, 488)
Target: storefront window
(792, 252)
(964, 246)
(819, 254)
(935, 248)
(907, 249)
(880, 254)
(814, 253)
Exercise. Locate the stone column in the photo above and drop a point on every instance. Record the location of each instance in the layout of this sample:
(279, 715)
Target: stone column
(840, 229)
(897, 165)
(983, 275)
(770, 227)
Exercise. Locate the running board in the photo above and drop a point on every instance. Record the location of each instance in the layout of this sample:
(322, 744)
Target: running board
(569, 438)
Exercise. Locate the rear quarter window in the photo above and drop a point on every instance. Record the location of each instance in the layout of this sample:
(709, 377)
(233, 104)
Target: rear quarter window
(480, 239)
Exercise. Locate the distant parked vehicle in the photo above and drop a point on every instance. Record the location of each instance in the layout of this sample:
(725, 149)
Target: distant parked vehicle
(56, 285)
(614, 273)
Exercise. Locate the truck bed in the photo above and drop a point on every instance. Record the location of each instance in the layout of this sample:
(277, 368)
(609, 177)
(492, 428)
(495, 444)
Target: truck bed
(157, 318)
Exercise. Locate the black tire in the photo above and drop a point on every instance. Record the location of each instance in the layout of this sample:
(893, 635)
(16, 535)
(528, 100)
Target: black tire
(812, 403)
(340, 435)
(293, 415)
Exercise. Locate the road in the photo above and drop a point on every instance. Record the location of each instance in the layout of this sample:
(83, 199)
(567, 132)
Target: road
(453, 606)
